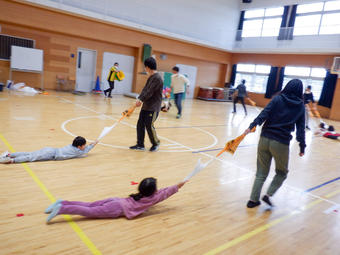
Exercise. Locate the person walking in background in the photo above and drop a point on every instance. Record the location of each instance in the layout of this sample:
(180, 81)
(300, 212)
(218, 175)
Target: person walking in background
(307, 99)
(178, 84)
(280, 116)
(241, 91)
(111, 79)
(151, 98)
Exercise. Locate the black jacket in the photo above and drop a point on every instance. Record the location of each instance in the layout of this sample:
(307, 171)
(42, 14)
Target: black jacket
(151, 95)
(280, 117)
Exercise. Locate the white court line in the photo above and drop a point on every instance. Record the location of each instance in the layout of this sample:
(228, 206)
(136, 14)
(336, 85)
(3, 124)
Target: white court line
(133, 126)
(210, 156)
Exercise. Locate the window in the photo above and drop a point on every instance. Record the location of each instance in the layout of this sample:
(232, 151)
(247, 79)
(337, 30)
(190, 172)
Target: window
(318, 18)
(262, 22)
(308, 75)
(256, 77)
(7, 41)
(330, 23)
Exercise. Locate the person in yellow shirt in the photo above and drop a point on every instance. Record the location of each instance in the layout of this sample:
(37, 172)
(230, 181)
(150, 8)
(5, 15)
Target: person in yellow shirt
(178, 83)
(111, 79)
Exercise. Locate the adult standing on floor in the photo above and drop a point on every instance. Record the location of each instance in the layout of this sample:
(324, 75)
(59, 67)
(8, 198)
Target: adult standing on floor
(111, 79)
(241, 91)
(151, 98)
(280, 116)
(178, 84)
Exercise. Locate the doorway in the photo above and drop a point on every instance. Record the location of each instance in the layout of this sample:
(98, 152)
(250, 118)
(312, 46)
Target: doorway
(86, 70)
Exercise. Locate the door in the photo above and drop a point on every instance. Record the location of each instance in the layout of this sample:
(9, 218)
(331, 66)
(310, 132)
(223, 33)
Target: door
(126, 65)
(190, 72)
(86, 70)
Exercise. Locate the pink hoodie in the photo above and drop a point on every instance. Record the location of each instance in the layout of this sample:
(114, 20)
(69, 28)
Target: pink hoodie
(133, 208)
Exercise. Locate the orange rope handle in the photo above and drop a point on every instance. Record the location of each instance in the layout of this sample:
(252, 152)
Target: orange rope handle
(127, 113)
(232, 145)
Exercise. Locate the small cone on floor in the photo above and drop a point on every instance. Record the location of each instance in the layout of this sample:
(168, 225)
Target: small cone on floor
(97, 88)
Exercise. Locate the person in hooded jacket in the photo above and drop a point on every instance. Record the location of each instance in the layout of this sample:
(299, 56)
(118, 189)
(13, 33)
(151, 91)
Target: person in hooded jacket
(280, 116)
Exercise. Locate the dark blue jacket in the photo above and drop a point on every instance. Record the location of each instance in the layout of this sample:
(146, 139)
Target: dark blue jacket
(280, 117)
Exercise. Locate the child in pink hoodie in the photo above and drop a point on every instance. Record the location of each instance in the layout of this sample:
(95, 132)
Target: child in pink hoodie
(129, 207)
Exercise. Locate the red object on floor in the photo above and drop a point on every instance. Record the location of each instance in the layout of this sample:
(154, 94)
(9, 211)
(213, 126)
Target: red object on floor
(20, 214)
(134, 183)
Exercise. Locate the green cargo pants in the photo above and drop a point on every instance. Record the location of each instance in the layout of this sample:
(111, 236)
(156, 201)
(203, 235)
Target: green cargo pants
(268, 149)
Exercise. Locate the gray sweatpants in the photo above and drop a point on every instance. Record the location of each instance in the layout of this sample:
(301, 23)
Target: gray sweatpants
(268, 149)
(40, 155)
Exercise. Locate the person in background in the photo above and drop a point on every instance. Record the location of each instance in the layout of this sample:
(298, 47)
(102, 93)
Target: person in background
(111, 80)
(307, 99)
(151, 98)
(280, 116)
(178, 84)
(241, 91)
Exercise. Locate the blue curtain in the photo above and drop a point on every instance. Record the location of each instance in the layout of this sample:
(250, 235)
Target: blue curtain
(291, 22)
(283, 28)
(280, 82)
(233, 75)
(328, 89)
(271, 84)
(240, 27)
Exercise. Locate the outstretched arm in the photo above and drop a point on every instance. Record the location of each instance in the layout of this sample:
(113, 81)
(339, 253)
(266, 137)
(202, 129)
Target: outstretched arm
(90, 146)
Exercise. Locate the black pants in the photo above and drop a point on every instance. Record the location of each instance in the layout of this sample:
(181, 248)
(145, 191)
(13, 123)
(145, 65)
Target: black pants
(112, 86)
(146, 120)
(242, 101)
(178, 102)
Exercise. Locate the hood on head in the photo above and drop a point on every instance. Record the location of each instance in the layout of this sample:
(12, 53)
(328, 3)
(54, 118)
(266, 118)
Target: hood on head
(293, 91)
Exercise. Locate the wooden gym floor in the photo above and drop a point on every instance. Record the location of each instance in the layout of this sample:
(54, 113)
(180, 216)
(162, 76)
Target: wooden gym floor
(207, 216)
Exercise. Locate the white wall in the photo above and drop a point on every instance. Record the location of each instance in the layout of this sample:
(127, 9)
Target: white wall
(212, 23)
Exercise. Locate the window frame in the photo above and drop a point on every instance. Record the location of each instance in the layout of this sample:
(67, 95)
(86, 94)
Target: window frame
(253, 78)
(308, 78)
(263, 18)
(322, 13)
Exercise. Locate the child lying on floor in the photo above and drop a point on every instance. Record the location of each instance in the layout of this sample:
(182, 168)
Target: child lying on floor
(129, 207)
(77, 149)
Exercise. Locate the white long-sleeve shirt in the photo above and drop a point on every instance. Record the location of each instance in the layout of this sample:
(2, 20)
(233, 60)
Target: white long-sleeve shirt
(178, 82)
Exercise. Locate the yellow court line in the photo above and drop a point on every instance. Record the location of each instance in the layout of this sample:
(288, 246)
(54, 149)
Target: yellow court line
(68, 218)
(264, 227)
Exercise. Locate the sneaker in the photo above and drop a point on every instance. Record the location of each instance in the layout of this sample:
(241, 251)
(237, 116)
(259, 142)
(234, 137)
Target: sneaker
(233, 112)
(4, 155)
(178, 116)
(252, 204)
(6, 160)
(266, 199)
(110, 96)
(154, 148)
(51, 207)
(137, 148)
(308, 127)
(54, 213)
